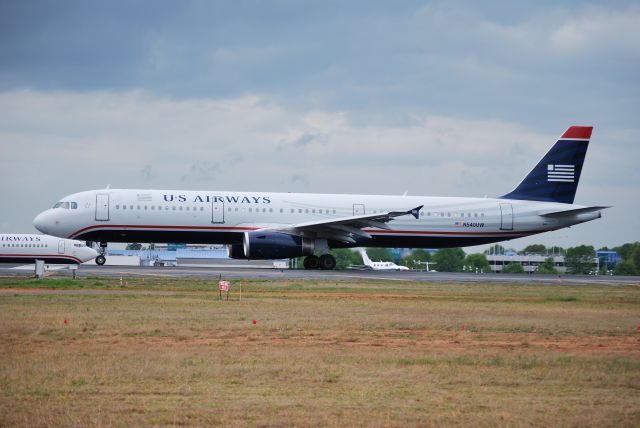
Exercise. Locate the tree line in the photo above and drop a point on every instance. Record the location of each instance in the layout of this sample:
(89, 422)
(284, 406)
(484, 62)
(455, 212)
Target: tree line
(577, 260)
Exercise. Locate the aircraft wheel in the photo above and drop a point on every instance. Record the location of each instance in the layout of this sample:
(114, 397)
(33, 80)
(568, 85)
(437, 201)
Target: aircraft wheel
(311, 262)
(327, 262)
(100, 260)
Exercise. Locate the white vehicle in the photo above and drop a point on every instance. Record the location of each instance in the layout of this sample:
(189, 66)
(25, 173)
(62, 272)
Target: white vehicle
(368, 264)
(286, 225)
(27, 248)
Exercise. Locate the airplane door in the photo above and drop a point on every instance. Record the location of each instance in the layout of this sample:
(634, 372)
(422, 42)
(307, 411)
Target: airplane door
(102, 207)
(506, 217)
(60, 247)
(358, 209)
(217, 211)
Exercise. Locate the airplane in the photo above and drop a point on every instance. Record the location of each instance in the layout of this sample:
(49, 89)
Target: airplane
(260, 225)
(368, 264)
(27, 248)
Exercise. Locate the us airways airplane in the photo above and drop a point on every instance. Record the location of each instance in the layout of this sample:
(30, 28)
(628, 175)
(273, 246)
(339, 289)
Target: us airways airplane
(286, 225)
(27, 248)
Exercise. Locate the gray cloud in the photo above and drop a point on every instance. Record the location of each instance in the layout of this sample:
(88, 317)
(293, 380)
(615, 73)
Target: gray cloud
(443, 98)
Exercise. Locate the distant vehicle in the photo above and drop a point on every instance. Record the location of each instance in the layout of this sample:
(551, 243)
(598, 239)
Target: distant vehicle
(27, 248)
(268, 226)
(368, 264)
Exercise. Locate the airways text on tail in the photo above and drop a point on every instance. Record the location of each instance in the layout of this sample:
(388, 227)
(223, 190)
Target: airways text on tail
(258, 225)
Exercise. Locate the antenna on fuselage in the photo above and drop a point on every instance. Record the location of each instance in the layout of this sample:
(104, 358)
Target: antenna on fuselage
(108, 187)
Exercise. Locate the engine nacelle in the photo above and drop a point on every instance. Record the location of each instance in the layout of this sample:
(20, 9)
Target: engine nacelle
(235, 251)
(275, 245)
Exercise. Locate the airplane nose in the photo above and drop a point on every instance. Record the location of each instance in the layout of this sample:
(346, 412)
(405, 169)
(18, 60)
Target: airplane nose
(41, 222)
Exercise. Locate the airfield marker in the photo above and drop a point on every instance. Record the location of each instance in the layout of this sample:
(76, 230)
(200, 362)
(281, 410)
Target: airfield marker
(254, 322)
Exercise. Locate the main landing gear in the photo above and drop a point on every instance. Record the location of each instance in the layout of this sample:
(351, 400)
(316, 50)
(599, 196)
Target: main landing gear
(324, 262)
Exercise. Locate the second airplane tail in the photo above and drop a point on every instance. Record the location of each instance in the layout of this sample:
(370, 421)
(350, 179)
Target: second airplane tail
(555, 178)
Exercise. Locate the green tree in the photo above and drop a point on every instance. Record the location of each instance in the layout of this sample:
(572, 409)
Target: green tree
(379, 254)
(134, 246)
(495, 249)
(416, 259)
(579, 260)
(635, 257)
(547, 267)
(534, 249)
(625, 268)
(512, 268)
(346, 257)
(449, 259)
(626, 250)
(477, 261)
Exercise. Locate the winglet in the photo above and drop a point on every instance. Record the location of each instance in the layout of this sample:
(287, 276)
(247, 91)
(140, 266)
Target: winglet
(416, 211)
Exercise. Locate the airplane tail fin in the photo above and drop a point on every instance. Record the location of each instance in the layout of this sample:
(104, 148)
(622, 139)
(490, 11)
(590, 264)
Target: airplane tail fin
(365, 257)
(555, 178)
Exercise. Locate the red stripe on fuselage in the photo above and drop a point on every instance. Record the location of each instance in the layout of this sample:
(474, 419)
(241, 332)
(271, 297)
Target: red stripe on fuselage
(144, 226)
(57, 256)
(245, 229)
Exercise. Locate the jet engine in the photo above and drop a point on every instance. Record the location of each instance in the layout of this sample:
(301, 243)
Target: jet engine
(271, 245)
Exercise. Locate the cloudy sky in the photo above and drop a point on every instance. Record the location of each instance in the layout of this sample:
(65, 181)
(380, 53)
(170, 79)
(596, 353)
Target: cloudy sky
(456, 98)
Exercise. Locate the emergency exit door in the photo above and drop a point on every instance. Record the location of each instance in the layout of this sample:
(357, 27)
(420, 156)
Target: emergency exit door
(60, 247)
(217, 211)
(358, 209)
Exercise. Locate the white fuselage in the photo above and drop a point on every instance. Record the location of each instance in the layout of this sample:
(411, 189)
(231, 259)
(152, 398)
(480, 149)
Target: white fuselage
(26, 248)
(125, 215)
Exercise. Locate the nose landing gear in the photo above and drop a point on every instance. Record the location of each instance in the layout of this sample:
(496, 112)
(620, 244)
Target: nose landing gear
(101, 259)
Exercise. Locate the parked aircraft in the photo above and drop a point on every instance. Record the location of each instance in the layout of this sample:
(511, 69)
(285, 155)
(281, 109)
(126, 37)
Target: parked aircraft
(285, 225)
(368, 264)
(27, 248)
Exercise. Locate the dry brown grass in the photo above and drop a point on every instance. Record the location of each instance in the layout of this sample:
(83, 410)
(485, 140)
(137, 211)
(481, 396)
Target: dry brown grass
(167, 352)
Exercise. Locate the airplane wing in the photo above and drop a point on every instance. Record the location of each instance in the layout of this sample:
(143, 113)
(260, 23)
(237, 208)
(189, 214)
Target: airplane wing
(569, 213)
(345, 228)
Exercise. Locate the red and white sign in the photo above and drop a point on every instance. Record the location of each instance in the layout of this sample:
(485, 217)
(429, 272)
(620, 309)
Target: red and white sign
(223, 285)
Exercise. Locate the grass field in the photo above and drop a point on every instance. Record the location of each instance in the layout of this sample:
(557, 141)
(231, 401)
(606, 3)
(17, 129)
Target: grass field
(169, 352)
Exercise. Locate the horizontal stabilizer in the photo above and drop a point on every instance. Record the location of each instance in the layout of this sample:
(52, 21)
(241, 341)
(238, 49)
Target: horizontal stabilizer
(568, 213)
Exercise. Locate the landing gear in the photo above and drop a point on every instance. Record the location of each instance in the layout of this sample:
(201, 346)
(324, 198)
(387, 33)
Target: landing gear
(327, 262)
(311, 262)
(101, 259)
(324, 262)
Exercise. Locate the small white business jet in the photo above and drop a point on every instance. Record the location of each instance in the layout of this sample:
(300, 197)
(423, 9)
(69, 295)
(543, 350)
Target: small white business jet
(27, 248)
(369, 264)
(286, 225)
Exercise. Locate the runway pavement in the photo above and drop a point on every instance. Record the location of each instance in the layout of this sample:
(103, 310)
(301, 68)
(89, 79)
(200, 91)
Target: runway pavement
(338, 275)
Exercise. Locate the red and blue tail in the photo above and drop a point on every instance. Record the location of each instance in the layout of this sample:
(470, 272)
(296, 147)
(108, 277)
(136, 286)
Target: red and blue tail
(555, 178)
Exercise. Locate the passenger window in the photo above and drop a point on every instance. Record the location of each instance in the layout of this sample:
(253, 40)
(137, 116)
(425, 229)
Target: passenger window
(117, 207)
(153, 207)
(201, 208)
(124, 207)
(299, 210)
(173, 208)
(145, 207)
(250, 210)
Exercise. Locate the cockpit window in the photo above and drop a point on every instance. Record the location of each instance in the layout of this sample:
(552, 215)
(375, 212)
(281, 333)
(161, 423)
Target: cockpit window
(66, 205)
